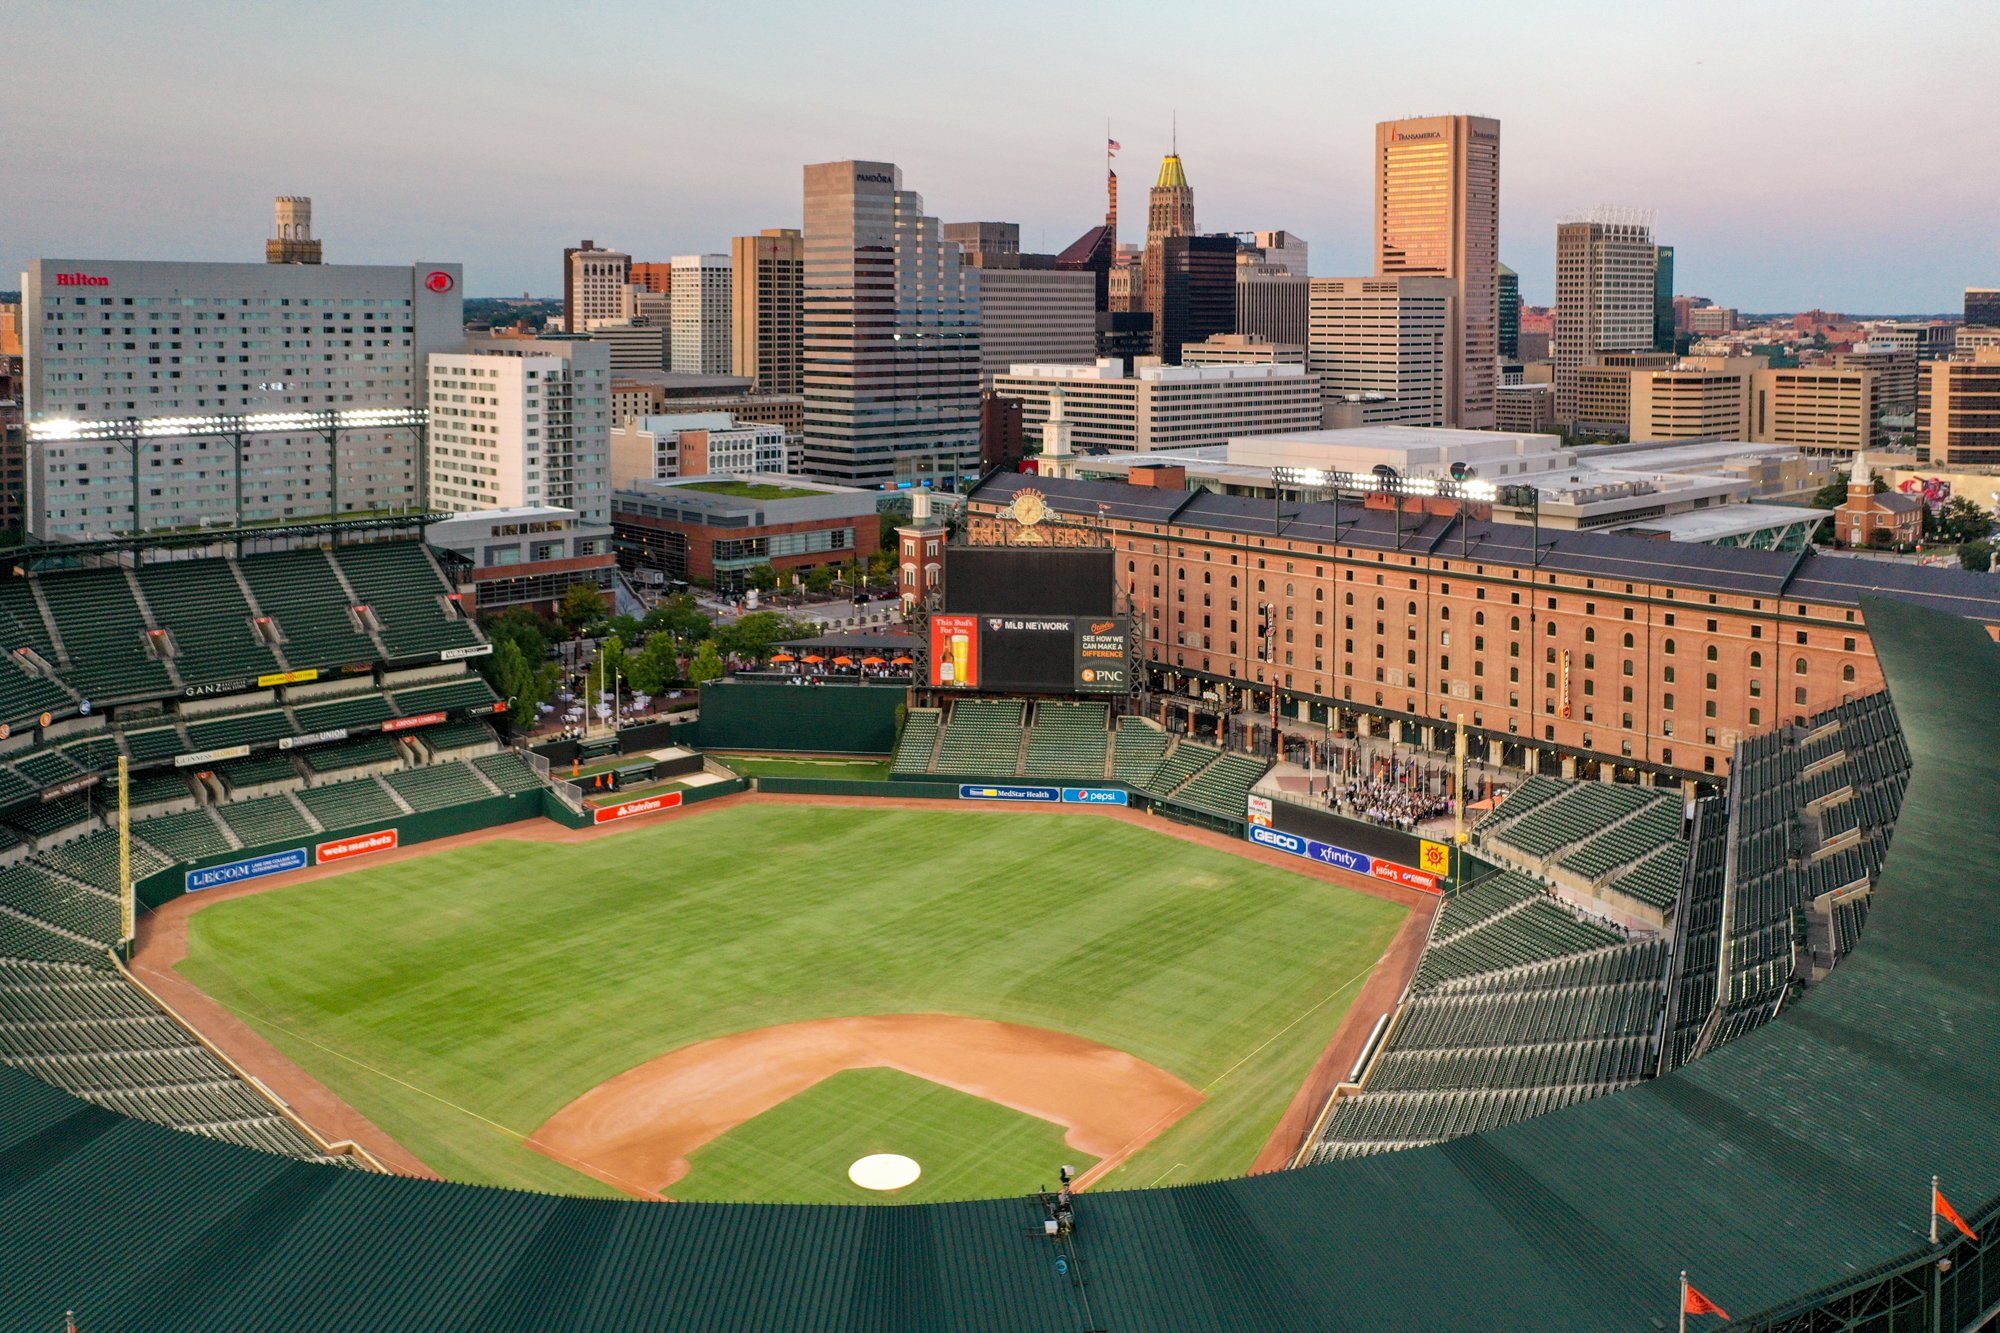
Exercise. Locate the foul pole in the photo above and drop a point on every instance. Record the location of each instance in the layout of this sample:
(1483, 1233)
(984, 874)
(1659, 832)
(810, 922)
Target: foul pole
(1458, 832)
(128, 908)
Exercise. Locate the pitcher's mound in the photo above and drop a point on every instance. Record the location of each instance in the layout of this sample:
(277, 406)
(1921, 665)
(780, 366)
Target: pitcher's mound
(884, 1171)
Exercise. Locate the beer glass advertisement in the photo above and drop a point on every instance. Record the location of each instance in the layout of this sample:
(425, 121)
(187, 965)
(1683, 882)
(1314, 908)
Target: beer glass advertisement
(955, 652)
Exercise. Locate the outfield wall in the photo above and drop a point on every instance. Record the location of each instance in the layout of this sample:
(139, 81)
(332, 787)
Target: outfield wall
(954, 789)
(252, 863)
(796, 719)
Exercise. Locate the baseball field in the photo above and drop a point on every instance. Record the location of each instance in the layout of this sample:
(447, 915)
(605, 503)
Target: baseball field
(741, 1003)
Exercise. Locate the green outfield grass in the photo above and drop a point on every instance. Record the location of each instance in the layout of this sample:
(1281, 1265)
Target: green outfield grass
(459, 1000)
(800, 766)
(799, 1151)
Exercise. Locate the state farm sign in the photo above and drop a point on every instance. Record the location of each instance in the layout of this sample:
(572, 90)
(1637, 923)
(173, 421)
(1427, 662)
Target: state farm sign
(625, 810)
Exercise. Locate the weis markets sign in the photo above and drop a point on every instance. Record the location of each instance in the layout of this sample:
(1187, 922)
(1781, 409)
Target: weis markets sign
(381, 840)
(1359, 863)
(250, 867)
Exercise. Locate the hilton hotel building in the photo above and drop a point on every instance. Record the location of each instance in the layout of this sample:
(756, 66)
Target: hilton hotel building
(180, 362)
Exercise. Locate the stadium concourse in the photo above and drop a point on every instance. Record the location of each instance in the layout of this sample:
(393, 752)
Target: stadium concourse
(1799, 1071)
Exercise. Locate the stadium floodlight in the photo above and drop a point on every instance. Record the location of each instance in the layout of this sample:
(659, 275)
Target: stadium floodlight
(65, 430)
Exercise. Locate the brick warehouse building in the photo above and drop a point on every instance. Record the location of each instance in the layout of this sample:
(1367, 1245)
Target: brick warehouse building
(1655, 657)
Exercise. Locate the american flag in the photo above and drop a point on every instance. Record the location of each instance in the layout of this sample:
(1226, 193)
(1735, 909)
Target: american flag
(1112, 145)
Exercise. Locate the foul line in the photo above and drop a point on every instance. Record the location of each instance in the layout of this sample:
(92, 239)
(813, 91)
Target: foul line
(1175, 1114)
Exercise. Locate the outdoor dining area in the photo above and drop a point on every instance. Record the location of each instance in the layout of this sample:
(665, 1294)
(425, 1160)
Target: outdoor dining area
(857, 659)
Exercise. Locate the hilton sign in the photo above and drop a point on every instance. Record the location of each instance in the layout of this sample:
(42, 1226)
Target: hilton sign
(81, 280)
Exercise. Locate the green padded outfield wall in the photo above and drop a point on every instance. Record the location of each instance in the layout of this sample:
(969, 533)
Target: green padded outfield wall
(413, 828)
(800, 719)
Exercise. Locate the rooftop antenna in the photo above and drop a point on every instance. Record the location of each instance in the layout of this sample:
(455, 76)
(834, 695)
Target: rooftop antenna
(1174, 141)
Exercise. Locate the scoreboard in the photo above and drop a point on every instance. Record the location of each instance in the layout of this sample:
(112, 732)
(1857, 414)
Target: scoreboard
(1032, 654)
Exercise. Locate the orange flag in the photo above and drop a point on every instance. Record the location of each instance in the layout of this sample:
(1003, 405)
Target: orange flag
(1942, 1207)
(1693, 1302)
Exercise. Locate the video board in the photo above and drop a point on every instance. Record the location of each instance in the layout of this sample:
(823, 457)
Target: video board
(1032, 654)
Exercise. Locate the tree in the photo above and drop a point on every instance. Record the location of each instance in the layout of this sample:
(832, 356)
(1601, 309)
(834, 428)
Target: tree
(611, 662)
(628, 628)
(656, 666)
(1977, 556)
(707, 664)
(1834, 494)
(680, 616)
(524, 685)
(882, 565)
(761, 577)
(583, 605)
(819, 580)
(1959, 520)
(754, 636)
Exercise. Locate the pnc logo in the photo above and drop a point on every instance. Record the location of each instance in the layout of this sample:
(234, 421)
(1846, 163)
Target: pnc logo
(81, 280)
(439, 281)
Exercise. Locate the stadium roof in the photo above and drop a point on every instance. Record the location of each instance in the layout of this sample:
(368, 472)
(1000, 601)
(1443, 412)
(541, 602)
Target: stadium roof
(1794, 1159)
(1806, 575)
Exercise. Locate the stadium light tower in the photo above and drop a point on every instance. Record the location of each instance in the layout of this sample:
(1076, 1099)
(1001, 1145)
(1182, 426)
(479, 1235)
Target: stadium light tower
(133, 432)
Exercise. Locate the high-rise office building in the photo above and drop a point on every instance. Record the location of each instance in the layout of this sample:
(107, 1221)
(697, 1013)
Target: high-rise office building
(1604, 293)
(700, 304)
(1384, 338)
(653, 276)
(1509, 336)
(1191, 291)
(1272, 303)
(522, 423)
(594, 282)
(1820, 409)
(239, 348)
(1437, 211)
(1032, 307)
(1895, 371)
(1164, 407)
(1982, 306)
(1278, 250)
(1707, 398)
(294, 243)
(1663, 298)
(979, 240)
(1169, 214)
(891, 326)
(766, 275)
(1958, 411)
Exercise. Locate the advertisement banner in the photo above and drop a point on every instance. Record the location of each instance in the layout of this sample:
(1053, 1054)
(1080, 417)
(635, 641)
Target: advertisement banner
(1435, 857)
(1103, 655)
(1259, 810)
(251, 867)
(1096, 796)
(469, 650)
(418, 720)
(210, 756)
(288, 677)
(381, 840)
(645, 806)
(1408, 876)
(72, 787)
(970, 792)
(955, 652)
(317, 738)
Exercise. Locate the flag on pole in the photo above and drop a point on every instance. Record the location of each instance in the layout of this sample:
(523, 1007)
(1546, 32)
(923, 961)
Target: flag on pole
(1112, 145)
(1941, 1207)
(1693, 1302)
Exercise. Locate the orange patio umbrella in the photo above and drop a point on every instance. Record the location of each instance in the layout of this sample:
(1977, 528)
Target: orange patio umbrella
(903, 661)
(783, 657)
(873, 661)
(812, 657)
(843, 661)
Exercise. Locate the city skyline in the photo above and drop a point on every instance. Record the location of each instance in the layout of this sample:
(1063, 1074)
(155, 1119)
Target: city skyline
(1786, 215)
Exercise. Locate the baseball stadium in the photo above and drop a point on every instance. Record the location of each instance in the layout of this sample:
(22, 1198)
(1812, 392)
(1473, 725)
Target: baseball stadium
(982, 998)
